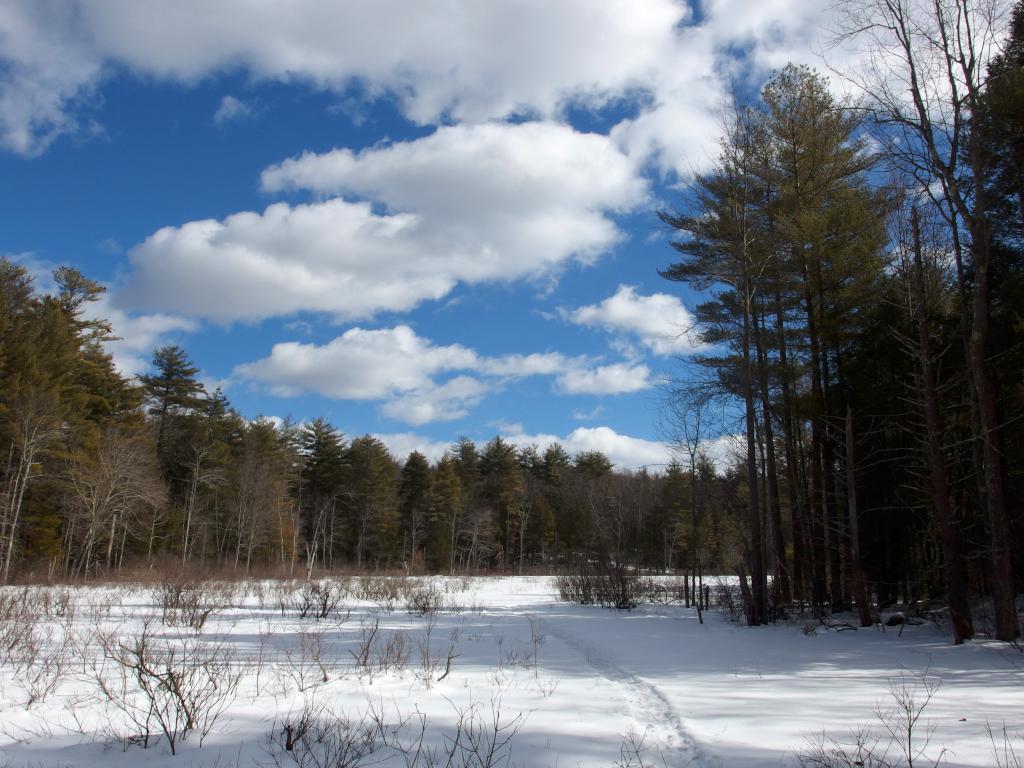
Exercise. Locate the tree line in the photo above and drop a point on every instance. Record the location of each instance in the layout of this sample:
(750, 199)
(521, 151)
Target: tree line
(864, 267)
(104, 473)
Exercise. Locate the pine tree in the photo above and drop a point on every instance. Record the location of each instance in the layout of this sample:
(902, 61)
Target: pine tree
(414, 504)
(171, 390)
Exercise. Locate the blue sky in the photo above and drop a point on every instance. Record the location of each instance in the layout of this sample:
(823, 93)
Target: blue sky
(438, 227)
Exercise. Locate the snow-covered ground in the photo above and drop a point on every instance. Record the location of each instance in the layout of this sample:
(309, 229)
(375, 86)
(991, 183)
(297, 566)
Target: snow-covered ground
(571, 685)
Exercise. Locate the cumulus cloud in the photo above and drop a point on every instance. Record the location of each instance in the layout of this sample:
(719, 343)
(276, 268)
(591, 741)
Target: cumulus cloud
(230, 109)
(624, 451)
(445, 402)
(462, 63)
(659, 321)
(407, 372)
(138, 335)
(358, 365)
(466, 204)
(614, 379)
(401, 444)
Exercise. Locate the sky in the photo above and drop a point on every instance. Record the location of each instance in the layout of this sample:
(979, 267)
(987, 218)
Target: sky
(419, 220)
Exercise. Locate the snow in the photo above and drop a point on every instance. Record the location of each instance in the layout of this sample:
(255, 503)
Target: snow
(580, 682)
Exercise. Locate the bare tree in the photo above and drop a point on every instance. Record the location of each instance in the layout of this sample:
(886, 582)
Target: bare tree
(110, 491)
(923, 82)
(36, 422)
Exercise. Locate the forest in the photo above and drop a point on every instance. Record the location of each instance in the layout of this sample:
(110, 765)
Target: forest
(861, 261)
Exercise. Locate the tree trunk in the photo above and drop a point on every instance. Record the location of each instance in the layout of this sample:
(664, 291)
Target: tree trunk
(781, 585)
(860, 588)
(757, 574)
(797, 518)
(1003, 588)
(815, 490)
(938, 485)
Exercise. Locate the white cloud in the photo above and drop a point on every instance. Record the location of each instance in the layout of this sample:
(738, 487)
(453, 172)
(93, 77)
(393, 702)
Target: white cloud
(358, 365)
(580, 415)
(624, 451)
(536, 364)
(407, 372)
(401, 444)
(614, 379)
(463, 61)
(138, 335)
(725, 450)
(47, 65)
(455, 215)
(659, 321)
(232, 108)
(446, 402)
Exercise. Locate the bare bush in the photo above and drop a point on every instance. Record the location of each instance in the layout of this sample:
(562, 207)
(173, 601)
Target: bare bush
(309, 663)
(861, 749)
(57, 603)
(431, 663)
(424, 598)
(901, 740)
(316, 737)
(454, 585)
(43, 666)
(1005, 752)
(633, 751)
(393, 653)
(364, 650)
(166, 686)
(481, 740)
(184, 604)
(606, 584)
(318, 600)
(536, 641)
(19, 621)
(383, 591)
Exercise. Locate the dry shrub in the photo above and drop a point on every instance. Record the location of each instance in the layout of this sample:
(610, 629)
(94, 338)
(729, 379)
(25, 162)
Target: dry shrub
(166, 686)
(424, 598)
(185, 604)
(317, 737)
(318, 600)
(605, 584)
(383, 591)
(19, 622)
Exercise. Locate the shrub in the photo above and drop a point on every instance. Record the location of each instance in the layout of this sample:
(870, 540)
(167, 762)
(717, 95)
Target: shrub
(608, 585)
(171, 686)
(318, 599)
(424, 598)
(384, 591)
(184, 604)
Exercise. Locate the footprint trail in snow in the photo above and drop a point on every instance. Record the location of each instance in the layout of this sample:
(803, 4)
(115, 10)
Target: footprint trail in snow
(665, 737)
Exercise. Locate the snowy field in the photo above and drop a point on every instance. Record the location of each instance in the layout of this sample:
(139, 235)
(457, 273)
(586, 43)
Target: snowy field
(462, 672)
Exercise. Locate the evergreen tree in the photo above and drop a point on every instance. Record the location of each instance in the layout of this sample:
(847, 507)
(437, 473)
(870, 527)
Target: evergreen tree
(172, 389)
(321, 485)
(414, 504)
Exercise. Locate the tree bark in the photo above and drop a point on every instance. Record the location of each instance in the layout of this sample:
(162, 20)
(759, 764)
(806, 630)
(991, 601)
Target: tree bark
(938, 484)
(860, 589)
